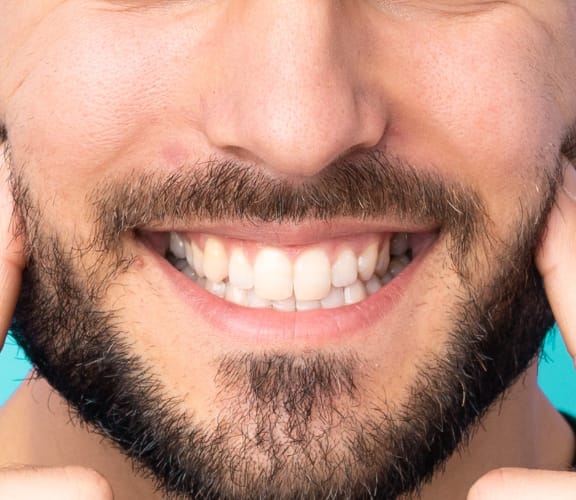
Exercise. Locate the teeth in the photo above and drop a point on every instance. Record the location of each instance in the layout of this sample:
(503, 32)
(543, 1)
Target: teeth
(397, 265)
(187, 270)
(177, 246)
(236, 295)
(215, 264)
(367, 262)
(383, 259)
(273, 281)
(334, 299)
(399, 244)
(195, 258)
(273, 275)
(257, 302)
(218, 288)
(181, 264)
(354, 293)
(287, 305)
(345, 269)
(387, 278)
(373, 285)
(311, 276)
(307, 305)
(240, 271)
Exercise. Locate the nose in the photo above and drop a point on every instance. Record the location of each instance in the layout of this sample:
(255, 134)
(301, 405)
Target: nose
(294, 93)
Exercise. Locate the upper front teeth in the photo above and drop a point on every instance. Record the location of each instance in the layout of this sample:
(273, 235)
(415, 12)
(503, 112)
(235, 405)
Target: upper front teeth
(215, 262)
(273, 275)
(312, 275)
(274, 279)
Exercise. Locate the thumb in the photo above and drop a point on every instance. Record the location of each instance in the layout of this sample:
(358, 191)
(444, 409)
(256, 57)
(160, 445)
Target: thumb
(525, 484)
(63, 483)
(11, 250)
(556, 259)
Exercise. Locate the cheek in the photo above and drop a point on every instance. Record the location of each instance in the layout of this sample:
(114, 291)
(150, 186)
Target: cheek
(483, 111)
(102, 86)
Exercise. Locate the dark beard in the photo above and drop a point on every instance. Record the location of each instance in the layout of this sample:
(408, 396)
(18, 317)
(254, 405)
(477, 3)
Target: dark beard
(286, 407)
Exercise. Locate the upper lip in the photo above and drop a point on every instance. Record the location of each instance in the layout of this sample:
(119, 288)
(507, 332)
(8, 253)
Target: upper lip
(302, 233)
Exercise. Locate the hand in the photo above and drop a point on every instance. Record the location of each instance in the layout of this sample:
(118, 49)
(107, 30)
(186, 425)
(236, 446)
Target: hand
(53, 483)
(524, 484)
(556, 262)
(557, 259)
(24, 482)
(11, 252)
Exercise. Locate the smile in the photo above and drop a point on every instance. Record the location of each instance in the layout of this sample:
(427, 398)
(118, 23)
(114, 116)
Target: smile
(326, 275)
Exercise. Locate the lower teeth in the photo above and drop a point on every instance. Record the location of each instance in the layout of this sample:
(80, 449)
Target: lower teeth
(337, 297)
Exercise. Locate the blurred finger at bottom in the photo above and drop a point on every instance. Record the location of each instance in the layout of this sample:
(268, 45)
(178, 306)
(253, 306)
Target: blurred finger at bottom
(59, 483)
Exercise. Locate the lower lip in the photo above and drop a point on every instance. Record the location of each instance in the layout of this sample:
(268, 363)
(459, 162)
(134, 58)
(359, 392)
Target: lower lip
(231, 321)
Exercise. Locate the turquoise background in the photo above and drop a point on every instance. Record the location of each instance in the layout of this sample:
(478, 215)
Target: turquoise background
(556, 376)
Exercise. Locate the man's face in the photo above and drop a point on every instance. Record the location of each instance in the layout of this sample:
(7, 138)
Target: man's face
(295, 347)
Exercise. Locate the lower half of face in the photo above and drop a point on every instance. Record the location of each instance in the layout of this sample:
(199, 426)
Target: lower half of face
(336, 366)
(245, 316)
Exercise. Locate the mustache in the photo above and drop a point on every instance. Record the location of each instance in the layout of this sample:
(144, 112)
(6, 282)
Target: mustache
(366, 186)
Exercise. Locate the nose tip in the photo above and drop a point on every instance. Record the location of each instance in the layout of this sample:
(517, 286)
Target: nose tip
(295, 97)
(296, 138)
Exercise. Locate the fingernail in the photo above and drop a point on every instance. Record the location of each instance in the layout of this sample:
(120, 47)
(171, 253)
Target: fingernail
(569, 185)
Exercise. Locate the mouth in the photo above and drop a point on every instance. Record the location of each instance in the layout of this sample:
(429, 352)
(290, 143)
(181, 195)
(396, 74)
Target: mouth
(326, 274)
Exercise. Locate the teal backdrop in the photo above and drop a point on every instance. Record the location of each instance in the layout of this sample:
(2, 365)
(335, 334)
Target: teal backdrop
(556, 375)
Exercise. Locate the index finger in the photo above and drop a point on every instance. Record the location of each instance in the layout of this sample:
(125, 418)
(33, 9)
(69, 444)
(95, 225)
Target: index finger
(556, 259)
(11, 250)
(504, 484)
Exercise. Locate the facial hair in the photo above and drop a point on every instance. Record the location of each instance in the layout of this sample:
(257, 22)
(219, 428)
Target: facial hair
(285, 406)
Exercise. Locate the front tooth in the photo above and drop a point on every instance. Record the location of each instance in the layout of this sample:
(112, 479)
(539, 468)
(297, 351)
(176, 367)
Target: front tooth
(334, 299)
(286, 305)
(236, 295)
(177, 246)
(367, 262)
(240, 272)
(399, 244)
(215, 263)
(354, 293)
(345, 269)
(273, 275)
(307, 305)
(311, 276)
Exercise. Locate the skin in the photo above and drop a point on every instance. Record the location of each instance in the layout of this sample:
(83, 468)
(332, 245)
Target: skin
(105, 111)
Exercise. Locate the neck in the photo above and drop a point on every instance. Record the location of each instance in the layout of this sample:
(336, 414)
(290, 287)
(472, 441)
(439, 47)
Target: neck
(523, 430)
(520, 430)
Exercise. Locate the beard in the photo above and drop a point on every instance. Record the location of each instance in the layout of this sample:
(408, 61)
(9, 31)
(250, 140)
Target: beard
(292, 425)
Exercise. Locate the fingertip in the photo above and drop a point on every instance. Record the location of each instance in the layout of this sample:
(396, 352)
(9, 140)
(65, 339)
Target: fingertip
(12, 252)
(569, 181)
(488, 486)
(527, 484)
(556, 258)
(54, 483)
(87, 483)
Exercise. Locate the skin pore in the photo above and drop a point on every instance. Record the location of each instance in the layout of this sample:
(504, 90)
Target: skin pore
(131, 89)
